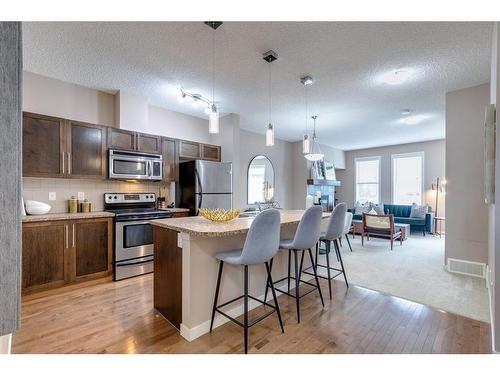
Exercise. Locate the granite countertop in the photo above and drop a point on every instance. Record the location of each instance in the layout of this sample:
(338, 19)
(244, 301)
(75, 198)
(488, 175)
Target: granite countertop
(199, 226)
(66, 216)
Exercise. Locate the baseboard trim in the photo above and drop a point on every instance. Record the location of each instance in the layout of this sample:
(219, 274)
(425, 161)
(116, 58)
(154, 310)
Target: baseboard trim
(490, 298)
(191, 334)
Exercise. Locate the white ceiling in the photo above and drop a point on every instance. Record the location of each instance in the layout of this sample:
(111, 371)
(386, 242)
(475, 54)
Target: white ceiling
(355, 110)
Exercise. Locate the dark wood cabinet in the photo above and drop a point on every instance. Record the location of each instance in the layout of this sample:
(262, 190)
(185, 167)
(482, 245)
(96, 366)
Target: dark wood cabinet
(92, 247)
(122, 139)
(210, 152)
(148, 143)
(86, 150)
(170, 159)
(189, 150)
(43, 146)
(44, 255)
(56, 253)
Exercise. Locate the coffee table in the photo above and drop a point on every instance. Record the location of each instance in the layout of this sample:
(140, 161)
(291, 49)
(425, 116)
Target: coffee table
(357, 227)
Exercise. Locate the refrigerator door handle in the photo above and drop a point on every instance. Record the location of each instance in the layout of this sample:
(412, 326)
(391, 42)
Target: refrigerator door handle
(200, 190)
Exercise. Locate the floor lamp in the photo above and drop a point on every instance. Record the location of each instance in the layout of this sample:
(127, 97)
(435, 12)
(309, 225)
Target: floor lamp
(439, 187)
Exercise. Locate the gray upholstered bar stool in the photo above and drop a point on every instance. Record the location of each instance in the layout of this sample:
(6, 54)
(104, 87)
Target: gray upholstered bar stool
(306, 237)
(333, 234)
(261, 244)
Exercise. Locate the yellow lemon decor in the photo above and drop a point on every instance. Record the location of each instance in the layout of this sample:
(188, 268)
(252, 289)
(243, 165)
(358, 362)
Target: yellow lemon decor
(219, 214)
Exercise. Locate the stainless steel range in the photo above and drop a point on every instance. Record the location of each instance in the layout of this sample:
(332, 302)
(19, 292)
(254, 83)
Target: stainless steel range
(133, 253)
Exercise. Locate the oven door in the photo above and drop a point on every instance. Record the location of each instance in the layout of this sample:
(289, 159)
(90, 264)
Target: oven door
(129, 167)
(133, 239)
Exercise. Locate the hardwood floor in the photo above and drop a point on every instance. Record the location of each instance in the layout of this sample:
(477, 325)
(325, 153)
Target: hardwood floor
(118, 317)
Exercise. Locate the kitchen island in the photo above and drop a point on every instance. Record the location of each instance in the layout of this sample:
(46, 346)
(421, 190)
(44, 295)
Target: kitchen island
(185, 268)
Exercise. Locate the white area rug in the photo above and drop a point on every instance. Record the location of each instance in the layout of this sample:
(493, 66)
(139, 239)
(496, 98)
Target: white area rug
(414, 271)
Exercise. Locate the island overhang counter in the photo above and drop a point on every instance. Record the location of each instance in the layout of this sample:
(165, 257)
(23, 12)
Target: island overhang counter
(185, 268)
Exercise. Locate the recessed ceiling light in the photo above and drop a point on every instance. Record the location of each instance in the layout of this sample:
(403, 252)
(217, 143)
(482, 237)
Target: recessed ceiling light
(396, 77)
(413, 120)
(406, 112)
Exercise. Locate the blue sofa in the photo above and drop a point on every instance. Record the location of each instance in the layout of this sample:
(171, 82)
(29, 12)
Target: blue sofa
(402, 215)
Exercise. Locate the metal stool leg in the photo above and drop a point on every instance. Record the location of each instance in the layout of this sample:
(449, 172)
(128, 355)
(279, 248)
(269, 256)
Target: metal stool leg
(316, 277)
(216, 295)
(297, 282)
(245, 308)
(328, 246)
(341, 263)
(274, 297)
(269, 282)
(348, 242)
(289, 263)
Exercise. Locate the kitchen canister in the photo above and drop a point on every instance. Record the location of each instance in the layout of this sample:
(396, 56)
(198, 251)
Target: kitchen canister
(86, 206)
(73, 205)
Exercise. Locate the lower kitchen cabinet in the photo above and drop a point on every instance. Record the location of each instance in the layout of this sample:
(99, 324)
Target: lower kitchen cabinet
(44, 257)
(93, 246)
(56, 253)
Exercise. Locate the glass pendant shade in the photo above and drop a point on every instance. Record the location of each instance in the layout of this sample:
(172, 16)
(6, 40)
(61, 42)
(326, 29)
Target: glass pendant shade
(270, 135)
(306, 144)
(315, 154)
(213, 121)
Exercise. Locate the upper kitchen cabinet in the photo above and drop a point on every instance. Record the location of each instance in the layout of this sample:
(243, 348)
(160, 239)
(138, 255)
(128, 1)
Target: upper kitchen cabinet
(189, 150)
(86, 150)
(44, 146)
(148, 143)
(121, 139)
(133, 141)
(170, 159)
(210, 152)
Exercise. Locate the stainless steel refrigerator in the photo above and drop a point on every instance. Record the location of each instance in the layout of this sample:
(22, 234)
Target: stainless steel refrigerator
(204, 184)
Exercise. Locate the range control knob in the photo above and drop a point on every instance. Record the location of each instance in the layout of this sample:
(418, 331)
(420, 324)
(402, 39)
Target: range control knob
(115, 197)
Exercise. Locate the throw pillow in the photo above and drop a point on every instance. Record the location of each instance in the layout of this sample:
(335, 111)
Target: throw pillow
(373, 212)
(418, 212)
(359, 208)
(379, 208)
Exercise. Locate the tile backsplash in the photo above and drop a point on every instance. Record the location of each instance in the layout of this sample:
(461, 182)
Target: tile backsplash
(38, 189)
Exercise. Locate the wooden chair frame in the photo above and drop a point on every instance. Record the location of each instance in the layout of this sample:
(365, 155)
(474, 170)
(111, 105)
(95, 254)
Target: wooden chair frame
(390, 233)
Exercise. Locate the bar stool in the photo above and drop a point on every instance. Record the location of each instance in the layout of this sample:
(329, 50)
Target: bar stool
(306, 237)
(261, 244)
(333, 233)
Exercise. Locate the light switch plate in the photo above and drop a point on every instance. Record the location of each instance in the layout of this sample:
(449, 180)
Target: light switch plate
(52, 195)
(81, 195)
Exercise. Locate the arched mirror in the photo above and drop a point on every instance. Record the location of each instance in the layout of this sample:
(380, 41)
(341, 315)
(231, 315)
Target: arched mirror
(260, 180)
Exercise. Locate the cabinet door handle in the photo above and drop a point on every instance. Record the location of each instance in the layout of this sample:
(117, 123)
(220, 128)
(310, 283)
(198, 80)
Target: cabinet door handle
(66, 228)
(62, 162)
(73, 230)
(69, 162)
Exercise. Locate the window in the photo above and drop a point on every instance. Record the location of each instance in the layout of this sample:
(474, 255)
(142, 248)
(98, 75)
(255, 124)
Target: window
(407, 178)
(368, 179)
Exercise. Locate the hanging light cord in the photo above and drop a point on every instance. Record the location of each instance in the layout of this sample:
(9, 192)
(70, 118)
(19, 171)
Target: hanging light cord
(305, 88)
(270, 96)
(213, 68)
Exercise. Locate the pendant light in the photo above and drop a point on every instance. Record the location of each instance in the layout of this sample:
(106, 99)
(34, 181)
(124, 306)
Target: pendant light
(306, 142)
(213, 116)
(270, 56)
(315, 154)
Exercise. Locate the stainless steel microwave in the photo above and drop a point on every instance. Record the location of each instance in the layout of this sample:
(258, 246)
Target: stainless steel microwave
(129, 165)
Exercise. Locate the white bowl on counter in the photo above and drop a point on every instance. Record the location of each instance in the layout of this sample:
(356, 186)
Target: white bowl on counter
(36, 208)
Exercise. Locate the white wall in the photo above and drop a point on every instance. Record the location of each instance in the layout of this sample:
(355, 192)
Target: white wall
(52, 97)
(467, 214)
(434, 166)
(494, 209)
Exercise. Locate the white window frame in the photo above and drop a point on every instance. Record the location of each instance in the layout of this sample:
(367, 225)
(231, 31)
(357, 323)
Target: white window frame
(368, 158)
(406, 155)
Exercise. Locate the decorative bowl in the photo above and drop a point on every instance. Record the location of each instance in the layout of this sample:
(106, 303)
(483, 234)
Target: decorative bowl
(36, 208)
(219, 214)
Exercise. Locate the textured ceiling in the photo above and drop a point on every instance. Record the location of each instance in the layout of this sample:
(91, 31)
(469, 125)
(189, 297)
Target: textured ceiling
(355, 110)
